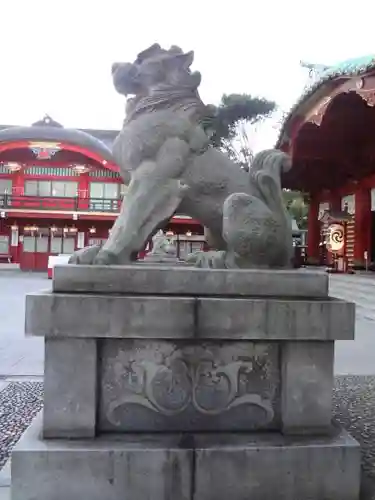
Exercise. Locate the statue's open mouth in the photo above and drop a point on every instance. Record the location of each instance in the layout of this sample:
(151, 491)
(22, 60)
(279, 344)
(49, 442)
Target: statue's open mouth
(125, 78)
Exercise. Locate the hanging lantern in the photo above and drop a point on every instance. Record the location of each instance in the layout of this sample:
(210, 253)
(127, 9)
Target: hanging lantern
(336, 237)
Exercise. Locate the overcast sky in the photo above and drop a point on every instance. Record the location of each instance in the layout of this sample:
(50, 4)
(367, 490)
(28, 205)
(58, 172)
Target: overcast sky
(56, 55)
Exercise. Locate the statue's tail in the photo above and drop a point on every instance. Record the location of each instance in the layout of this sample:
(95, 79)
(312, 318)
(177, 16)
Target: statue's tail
(265, 183)
(265, 180)
(272, 161)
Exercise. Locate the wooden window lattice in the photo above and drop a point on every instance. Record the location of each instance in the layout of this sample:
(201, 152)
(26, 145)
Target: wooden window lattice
(104, 173)
(53, 171)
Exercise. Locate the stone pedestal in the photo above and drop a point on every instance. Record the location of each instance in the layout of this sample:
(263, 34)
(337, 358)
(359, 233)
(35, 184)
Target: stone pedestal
(142, 362)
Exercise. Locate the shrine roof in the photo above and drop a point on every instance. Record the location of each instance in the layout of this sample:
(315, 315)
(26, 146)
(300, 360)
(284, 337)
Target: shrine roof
(98, 141)
(325, 81)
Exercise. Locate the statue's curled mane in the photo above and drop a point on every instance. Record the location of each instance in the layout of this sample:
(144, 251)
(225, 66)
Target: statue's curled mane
(162, 99)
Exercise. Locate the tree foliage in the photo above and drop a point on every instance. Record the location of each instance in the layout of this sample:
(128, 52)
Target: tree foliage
(228, 122)
(297, 207)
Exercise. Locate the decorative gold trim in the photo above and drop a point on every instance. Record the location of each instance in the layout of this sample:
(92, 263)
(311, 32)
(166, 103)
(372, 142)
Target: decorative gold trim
(359, 83)
(44, 145)
(368, 96)
(318, 113)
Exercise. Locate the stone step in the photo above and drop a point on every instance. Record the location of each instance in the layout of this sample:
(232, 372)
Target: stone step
(165, 465)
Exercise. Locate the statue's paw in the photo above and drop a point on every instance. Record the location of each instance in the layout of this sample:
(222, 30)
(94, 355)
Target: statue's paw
(105, 258)
(93, 255)
(85, 255)
(207, 260)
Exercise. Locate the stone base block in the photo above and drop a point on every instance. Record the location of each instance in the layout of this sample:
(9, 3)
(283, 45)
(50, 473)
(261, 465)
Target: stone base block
(186, 467)
(135, 467)
(185, 280)
(273, 467)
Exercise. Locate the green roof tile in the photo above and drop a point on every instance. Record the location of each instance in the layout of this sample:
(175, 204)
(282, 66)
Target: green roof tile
(349, 68)
(354, 65)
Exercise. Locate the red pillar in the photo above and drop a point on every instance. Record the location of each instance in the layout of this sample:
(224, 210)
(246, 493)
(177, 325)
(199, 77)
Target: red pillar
(83, 191)
(313, 229)
(362, 225)
(18, 184)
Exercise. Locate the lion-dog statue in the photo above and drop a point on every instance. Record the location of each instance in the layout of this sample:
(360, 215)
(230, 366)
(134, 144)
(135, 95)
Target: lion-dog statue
(165, 153)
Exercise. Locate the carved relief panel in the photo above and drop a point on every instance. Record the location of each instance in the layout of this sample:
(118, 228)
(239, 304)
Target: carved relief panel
(164, 385)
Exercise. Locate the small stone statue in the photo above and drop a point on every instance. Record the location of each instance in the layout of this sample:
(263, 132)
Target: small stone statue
(162, 248)
(165, 151)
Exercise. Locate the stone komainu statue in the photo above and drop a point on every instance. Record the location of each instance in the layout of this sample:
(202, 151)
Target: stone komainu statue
(166, 155)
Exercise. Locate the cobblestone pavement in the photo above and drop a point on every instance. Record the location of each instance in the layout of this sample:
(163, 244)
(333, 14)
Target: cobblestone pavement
(19, 404)
(354, 409)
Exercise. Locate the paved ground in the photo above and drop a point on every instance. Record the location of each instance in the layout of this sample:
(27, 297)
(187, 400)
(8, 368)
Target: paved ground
(19, 356)
(357, 357)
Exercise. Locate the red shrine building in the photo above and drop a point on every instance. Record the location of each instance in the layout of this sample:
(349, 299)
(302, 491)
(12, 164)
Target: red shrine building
(61, 191)
(330, 136)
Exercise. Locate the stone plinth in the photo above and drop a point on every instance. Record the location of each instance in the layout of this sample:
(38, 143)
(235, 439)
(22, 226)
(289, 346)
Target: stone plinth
(157, 280)
(161, 259)
(170, 353)
(197, 466)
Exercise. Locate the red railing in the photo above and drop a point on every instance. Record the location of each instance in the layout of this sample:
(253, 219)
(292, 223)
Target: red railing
(76, 204)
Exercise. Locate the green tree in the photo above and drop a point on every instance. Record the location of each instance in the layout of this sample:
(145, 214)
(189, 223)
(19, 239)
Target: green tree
(228, 123)
(297, 206)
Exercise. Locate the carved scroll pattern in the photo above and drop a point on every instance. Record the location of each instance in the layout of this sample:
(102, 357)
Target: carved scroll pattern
(196, 378)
